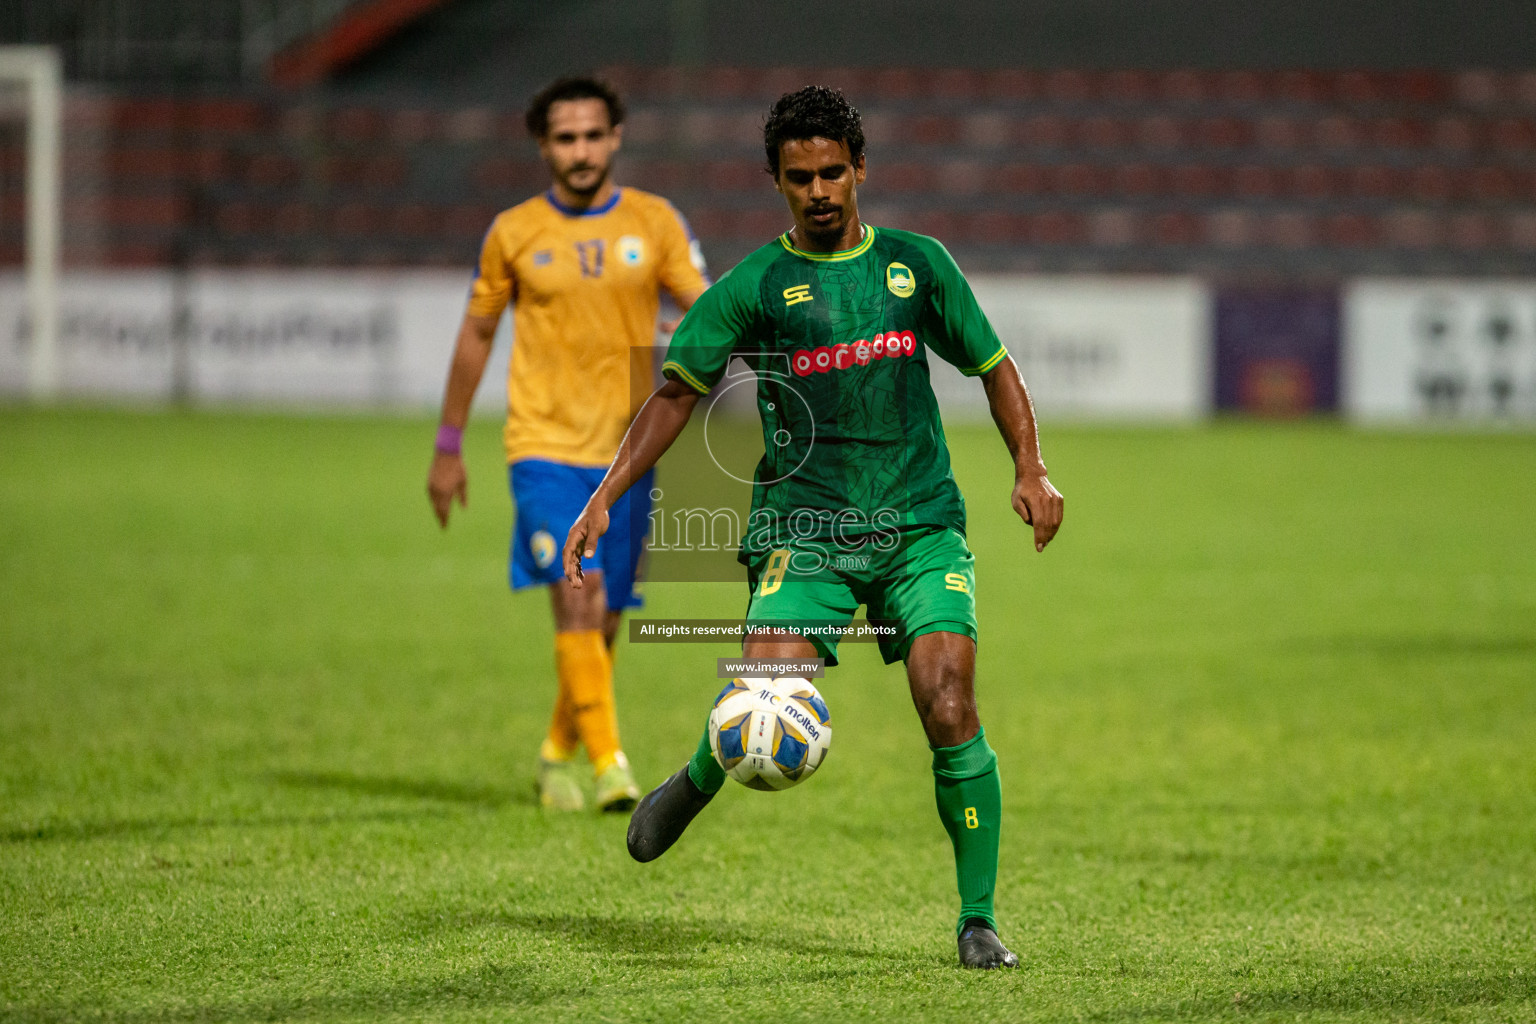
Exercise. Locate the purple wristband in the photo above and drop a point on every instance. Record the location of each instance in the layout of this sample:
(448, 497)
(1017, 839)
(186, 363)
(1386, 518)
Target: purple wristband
(450, 440)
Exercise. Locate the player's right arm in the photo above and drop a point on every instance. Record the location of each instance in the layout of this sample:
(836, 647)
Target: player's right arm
(492, 290)
(660, 420)
(447, 478)
(695, 363)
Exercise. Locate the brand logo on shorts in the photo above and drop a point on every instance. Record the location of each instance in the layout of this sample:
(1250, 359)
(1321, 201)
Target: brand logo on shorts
(955, 581)
(899, 279)
(631, 250)
(891, 345)
(542, 546)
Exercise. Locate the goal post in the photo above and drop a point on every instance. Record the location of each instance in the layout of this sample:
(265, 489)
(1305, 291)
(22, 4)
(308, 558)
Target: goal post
(39, 74)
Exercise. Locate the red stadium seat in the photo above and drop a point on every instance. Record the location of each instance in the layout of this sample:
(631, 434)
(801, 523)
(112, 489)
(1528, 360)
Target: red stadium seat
(1454, 134)
(1256, 181)
(1349, 230)
(986, 129)
(1373, 182)
(1280, 132)
(1250, 87)
(1513, 135)
(1128, 86)
(1231, 228)
(957, 84)
(932, 130)
(1197, 180)
(1019, 179)
(1360, 87)
(1138, 180)
(1471, 230)
(1185, 86)
(1301, 86)
(736, 175)
(1399, 133)
(273, 170)
(1058, 227)
(1491, 184)
(1223, 132)
(1079, 179)
(1478, 88)
(1014, 84)
(960, 177)
(1177, 228)
(294, 218)
(908, 176)
(356, 124)
(1102, 132)
(1430, 184)
(1337, 132)
(1068, 86)
(1522, 231)
(1312, 181)
(1290, 229)
(1045, 131)
(1160, 132)
(1411, 229)
(1114, 228)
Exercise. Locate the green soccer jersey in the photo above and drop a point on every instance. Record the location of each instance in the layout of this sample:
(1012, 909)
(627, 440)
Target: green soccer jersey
(853, 445)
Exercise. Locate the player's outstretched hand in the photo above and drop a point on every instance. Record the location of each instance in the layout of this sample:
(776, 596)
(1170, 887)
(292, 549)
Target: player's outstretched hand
(1039, 504)
(447, 480)
(581, 542)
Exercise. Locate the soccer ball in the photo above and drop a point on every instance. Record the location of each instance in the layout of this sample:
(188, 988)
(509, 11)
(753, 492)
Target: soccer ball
(770, 733)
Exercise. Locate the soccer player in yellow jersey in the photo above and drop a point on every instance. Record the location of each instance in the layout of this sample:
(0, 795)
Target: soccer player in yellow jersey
(582, 266)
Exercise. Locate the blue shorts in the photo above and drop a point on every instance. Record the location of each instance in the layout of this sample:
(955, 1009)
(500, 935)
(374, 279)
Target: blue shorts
(547, 498)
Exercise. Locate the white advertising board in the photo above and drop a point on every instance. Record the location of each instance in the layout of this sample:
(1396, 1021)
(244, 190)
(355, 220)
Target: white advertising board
(1449, 351)
(1096, 347)
(313, 338)
(1088, 347)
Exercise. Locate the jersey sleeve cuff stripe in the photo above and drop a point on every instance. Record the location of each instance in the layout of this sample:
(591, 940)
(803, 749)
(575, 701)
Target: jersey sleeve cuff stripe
(686, 377)
(993, 360)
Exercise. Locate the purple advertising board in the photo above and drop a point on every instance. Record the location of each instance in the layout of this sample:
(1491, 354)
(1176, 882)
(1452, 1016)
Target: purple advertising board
(1277, 350)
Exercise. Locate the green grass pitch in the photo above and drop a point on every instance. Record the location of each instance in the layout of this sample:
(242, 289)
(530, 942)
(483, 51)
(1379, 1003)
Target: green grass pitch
(1266, 712)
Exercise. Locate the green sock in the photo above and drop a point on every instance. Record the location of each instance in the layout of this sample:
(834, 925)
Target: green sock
(703, 769)
(970, 798)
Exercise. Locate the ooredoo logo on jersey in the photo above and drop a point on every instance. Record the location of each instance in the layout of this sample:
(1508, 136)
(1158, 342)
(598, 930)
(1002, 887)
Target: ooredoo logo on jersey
(890, 345)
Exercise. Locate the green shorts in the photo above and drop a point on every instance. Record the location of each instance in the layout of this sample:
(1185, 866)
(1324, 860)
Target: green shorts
(925, 583)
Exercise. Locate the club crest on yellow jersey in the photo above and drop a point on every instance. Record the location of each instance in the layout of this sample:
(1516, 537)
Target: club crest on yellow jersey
(631, 250)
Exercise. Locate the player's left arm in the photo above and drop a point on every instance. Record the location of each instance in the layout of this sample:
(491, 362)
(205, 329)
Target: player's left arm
(1034, 498)
(962, 334)
(682, 268)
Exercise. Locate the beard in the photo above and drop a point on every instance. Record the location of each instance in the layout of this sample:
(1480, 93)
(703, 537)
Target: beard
(597, 182)
(828, 232)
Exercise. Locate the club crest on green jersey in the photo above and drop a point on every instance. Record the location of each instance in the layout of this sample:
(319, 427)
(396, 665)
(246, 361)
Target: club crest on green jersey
(899, 279)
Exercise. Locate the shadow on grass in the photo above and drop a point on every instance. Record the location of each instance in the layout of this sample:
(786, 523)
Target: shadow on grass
(1406, 989)
(509, 987)
(416, 789)
(688, 943)
(78, 830)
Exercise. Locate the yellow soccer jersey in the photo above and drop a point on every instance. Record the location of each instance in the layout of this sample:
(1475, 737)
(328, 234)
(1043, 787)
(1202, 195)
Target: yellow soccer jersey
(584, 287)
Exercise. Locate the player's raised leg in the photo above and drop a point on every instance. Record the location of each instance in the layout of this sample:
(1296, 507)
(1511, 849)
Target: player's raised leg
(941, 669)
(667, 810)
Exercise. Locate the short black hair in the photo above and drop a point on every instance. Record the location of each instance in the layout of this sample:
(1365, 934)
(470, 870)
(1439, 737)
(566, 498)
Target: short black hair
(578, 87)
(815, 112)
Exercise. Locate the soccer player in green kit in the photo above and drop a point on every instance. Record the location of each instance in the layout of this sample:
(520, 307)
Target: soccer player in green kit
(838, 317)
